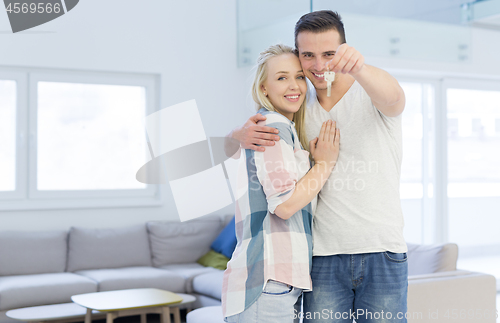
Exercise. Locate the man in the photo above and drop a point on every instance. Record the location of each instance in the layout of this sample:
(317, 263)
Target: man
(359, 258)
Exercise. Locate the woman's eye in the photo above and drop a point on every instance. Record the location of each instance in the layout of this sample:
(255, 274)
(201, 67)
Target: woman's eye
(281, 78)
(300, 77)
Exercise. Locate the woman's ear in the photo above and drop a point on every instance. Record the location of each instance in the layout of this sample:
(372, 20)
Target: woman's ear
(263, 88)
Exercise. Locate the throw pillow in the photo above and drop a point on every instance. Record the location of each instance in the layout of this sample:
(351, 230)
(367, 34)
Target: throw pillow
(214, 259)
(226, 241)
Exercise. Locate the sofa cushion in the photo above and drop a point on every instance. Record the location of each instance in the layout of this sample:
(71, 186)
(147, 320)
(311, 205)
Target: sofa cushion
(210, 314)
(135, 277)
(428, 259)
(182, 242)
(42, 289)
(209, 284)
(188, 271)
(26, 253)
(203, 301)
(108, 248)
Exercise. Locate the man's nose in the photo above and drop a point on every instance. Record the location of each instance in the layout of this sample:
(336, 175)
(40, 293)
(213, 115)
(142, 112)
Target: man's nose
(319, 64)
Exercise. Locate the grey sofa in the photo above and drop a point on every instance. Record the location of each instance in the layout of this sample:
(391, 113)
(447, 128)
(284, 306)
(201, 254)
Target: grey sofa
(41, 268)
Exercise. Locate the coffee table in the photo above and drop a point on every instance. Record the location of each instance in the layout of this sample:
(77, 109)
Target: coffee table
(127, 302)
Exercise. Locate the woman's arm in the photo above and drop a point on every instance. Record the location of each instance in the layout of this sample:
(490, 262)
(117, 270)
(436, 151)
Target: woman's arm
(305, 190)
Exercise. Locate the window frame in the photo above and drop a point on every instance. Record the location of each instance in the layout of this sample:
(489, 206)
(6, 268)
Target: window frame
(483, 84)
(429, 205)
(26, 196)
(435, 224)
(20, 135)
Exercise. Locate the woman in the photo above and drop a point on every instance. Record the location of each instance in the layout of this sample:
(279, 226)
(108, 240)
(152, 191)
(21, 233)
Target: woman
(271, 263)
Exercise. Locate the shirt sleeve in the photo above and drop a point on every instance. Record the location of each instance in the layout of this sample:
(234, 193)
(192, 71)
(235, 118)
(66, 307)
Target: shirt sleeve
(276, 168)
(390, 122)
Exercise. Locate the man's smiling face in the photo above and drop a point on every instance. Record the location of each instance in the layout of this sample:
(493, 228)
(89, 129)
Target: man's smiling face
(315, 49)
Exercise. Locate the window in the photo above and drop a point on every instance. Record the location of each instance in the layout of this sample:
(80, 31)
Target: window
(473, 174)
(8, 135)
(86, 139)
(473, 146)
(450, 180)
(416, 170)
(94, 143)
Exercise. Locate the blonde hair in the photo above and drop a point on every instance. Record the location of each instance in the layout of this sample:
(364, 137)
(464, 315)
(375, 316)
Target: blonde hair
(262, 101)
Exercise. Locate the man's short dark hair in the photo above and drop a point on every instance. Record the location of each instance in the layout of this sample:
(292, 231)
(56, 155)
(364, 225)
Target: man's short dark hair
(318, 22)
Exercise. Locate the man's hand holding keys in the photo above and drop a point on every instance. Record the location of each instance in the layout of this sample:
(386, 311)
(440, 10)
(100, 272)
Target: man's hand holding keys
(347, 60)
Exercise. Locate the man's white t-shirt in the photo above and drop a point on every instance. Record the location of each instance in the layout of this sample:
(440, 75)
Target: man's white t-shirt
(359, 209)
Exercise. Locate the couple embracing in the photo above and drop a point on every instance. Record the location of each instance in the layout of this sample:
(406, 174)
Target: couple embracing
(324, 242)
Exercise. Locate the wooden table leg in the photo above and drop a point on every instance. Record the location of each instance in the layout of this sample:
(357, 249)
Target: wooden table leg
(177, 314)
(88, 316)
(110, 317)
(165, 314)
(143, 318)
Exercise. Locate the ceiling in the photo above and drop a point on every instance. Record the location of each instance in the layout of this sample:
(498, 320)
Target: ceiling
(480, 13)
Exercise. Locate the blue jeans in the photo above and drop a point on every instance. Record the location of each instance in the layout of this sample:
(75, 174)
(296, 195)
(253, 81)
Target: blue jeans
(276, 304)
(369, 287)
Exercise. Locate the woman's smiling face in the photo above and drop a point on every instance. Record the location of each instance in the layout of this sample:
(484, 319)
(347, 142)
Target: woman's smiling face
(285, 85)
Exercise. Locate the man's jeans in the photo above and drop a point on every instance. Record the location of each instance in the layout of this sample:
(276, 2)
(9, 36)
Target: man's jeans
(369, 287)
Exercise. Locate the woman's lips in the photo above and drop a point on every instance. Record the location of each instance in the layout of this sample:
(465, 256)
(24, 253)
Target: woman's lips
(292, 98)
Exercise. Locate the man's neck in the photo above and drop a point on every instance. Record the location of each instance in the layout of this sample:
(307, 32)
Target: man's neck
(340, 86)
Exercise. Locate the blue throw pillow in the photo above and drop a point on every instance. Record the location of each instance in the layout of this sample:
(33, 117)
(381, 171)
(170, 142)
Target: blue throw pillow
(226, 241)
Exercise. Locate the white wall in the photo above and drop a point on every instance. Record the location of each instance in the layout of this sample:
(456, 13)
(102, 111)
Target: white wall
(175, 39)
(485, 61)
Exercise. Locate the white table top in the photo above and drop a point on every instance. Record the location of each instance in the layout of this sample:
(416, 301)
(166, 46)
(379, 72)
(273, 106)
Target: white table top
(126, 299)
(186, 299)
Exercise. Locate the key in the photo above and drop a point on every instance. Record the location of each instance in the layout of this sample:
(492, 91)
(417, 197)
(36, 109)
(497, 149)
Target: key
(329, 78)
